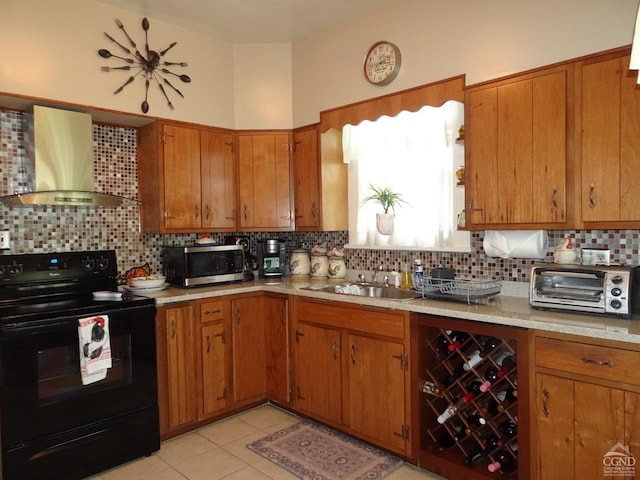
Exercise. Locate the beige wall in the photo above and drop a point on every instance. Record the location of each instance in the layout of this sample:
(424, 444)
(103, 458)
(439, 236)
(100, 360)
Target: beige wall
(49, 50)
(263, 86)
(438, 39)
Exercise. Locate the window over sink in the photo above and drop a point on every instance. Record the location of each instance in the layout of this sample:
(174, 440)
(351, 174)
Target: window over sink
(416, 155)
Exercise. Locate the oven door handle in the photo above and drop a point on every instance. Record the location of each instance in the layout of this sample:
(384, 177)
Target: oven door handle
(27, 328)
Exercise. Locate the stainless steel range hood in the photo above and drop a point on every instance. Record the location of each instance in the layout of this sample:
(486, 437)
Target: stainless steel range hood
(60, 156)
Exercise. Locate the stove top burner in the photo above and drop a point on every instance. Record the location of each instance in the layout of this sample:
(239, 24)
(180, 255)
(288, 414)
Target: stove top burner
(38, 286)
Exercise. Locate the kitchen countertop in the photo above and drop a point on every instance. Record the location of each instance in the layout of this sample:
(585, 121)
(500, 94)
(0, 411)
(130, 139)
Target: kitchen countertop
(510, 308)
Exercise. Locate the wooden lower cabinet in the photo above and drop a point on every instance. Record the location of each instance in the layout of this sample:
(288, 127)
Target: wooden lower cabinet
(583, 412)
(220, 354)
(213, 358)
(318, 367)
(376, 412)
(177, 349)
(260, 340)
(351, 370)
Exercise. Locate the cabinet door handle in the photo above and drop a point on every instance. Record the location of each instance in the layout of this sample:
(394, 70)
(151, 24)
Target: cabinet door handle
(353, 354)
(592, 196)
(313, 210)
(207, 211)
(554, 200)
(223, 337)
(246, 215)
(545, 399)
(224, 394)
(299, 395)
(173, 329)
(208, 344)
(196, 211)
(211, 312)
(334, 348)
(609, 364)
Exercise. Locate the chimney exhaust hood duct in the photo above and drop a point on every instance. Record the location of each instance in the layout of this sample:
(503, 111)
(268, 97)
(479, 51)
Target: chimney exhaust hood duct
(60, 155)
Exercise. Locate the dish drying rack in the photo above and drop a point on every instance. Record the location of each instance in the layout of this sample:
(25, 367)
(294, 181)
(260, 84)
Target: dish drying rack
(475, 290)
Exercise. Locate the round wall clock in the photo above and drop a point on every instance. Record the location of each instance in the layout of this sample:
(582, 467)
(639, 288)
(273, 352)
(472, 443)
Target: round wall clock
(382, 63)
(149, 65)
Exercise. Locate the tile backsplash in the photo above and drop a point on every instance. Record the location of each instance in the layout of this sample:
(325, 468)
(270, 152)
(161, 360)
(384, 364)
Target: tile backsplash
(37, 229)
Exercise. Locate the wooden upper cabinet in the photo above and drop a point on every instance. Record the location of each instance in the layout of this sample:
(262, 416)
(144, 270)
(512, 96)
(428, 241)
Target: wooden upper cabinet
(306, 179)
(218, 172)
(186, 179)
(182, 192)
(264, 181)
(609, 146)
(516, 151)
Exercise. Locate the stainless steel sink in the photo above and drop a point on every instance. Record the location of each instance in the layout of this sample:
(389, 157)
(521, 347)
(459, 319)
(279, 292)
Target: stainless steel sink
(368, 290)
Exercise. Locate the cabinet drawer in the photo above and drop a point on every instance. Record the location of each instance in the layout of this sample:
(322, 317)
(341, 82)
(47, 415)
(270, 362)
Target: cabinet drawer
(211, 311)
(595, 361)
(377, 322)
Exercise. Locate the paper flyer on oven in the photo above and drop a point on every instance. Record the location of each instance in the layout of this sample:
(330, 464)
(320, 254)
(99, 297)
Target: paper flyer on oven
(95, 348)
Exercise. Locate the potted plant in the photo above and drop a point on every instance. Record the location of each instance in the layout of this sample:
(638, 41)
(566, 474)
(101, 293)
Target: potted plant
(389, 200)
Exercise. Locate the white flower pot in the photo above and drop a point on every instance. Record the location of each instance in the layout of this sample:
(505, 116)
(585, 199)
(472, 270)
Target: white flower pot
(384, 223)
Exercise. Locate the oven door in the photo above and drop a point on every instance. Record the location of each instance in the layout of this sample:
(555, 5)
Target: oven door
(41, 384)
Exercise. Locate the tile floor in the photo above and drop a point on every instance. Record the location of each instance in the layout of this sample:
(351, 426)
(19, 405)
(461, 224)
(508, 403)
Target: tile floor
(218, 451)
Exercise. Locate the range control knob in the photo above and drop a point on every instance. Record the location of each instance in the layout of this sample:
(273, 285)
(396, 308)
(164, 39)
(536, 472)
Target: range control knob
(15, 269)
(616, 279)
(616, 304)
(616, 292)
(88, 264)
(103, 263)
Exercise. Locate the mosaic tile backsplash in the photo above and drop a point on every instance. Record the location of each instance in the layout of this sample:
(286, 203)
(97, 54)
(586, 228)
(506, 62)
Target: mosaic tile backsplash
(39, 229)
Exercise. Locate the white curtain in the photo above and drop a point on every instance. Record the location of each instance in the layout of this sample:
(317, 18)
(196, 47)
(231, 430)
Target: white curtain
(412, 155)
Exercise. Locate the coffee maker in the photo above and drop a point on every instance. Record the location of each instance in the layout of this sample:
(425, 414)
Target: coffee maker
(271, 258)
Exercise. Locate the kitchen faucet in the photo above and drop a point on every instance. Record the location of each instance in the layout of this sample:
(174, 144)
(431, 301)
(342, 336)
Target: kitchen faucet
(374, 278)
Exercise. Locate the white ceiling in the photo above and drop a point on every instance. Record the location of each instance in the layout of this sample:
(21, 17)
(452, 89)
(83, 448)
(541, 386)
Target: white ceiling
(249, 21)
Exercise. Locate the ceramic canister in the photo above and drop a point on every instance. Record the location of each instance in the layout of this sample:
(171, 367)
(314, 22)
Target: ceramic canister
(319, 266)
(337, 268)
(300, 263)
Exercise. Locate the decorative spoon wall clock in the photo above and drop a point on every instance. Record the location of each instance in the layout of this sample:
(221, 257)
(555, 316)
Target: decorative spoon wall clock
(150, 65)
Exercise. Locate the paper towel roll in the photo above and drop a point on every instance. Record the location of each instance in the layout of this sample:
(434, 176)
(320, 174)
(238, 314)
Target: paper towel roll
(516, 243)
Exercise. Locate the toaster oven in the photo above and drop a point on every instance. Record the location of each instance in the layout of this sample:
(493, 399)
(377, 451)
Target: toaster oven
(608, 290)
(203, 265)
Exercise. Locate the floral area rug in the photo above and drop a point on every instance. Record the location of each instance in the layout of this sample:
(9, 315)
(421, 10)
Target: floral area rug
(314, 452)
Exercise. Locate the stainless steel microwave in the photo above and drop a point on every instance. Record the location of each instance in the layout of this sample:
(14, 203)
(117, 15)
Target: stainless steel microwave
(609, 290)
(203, 265)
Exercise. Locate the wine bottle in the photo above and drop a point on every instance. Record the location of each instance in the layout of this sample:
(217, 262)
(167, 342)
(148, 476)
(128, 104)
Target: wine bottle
(474, 419)
(475, 387)
(473, 360)
(443, 440)
(441, 345)
(453, 408)
(506, 361)
(491, 442)
(490, 376)
(504, 462)
(508, 428)
(476, 454)
(508, 395)
(489, 345)
(457, 373)
(493, 408)
(457, 339)
(426, 386)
